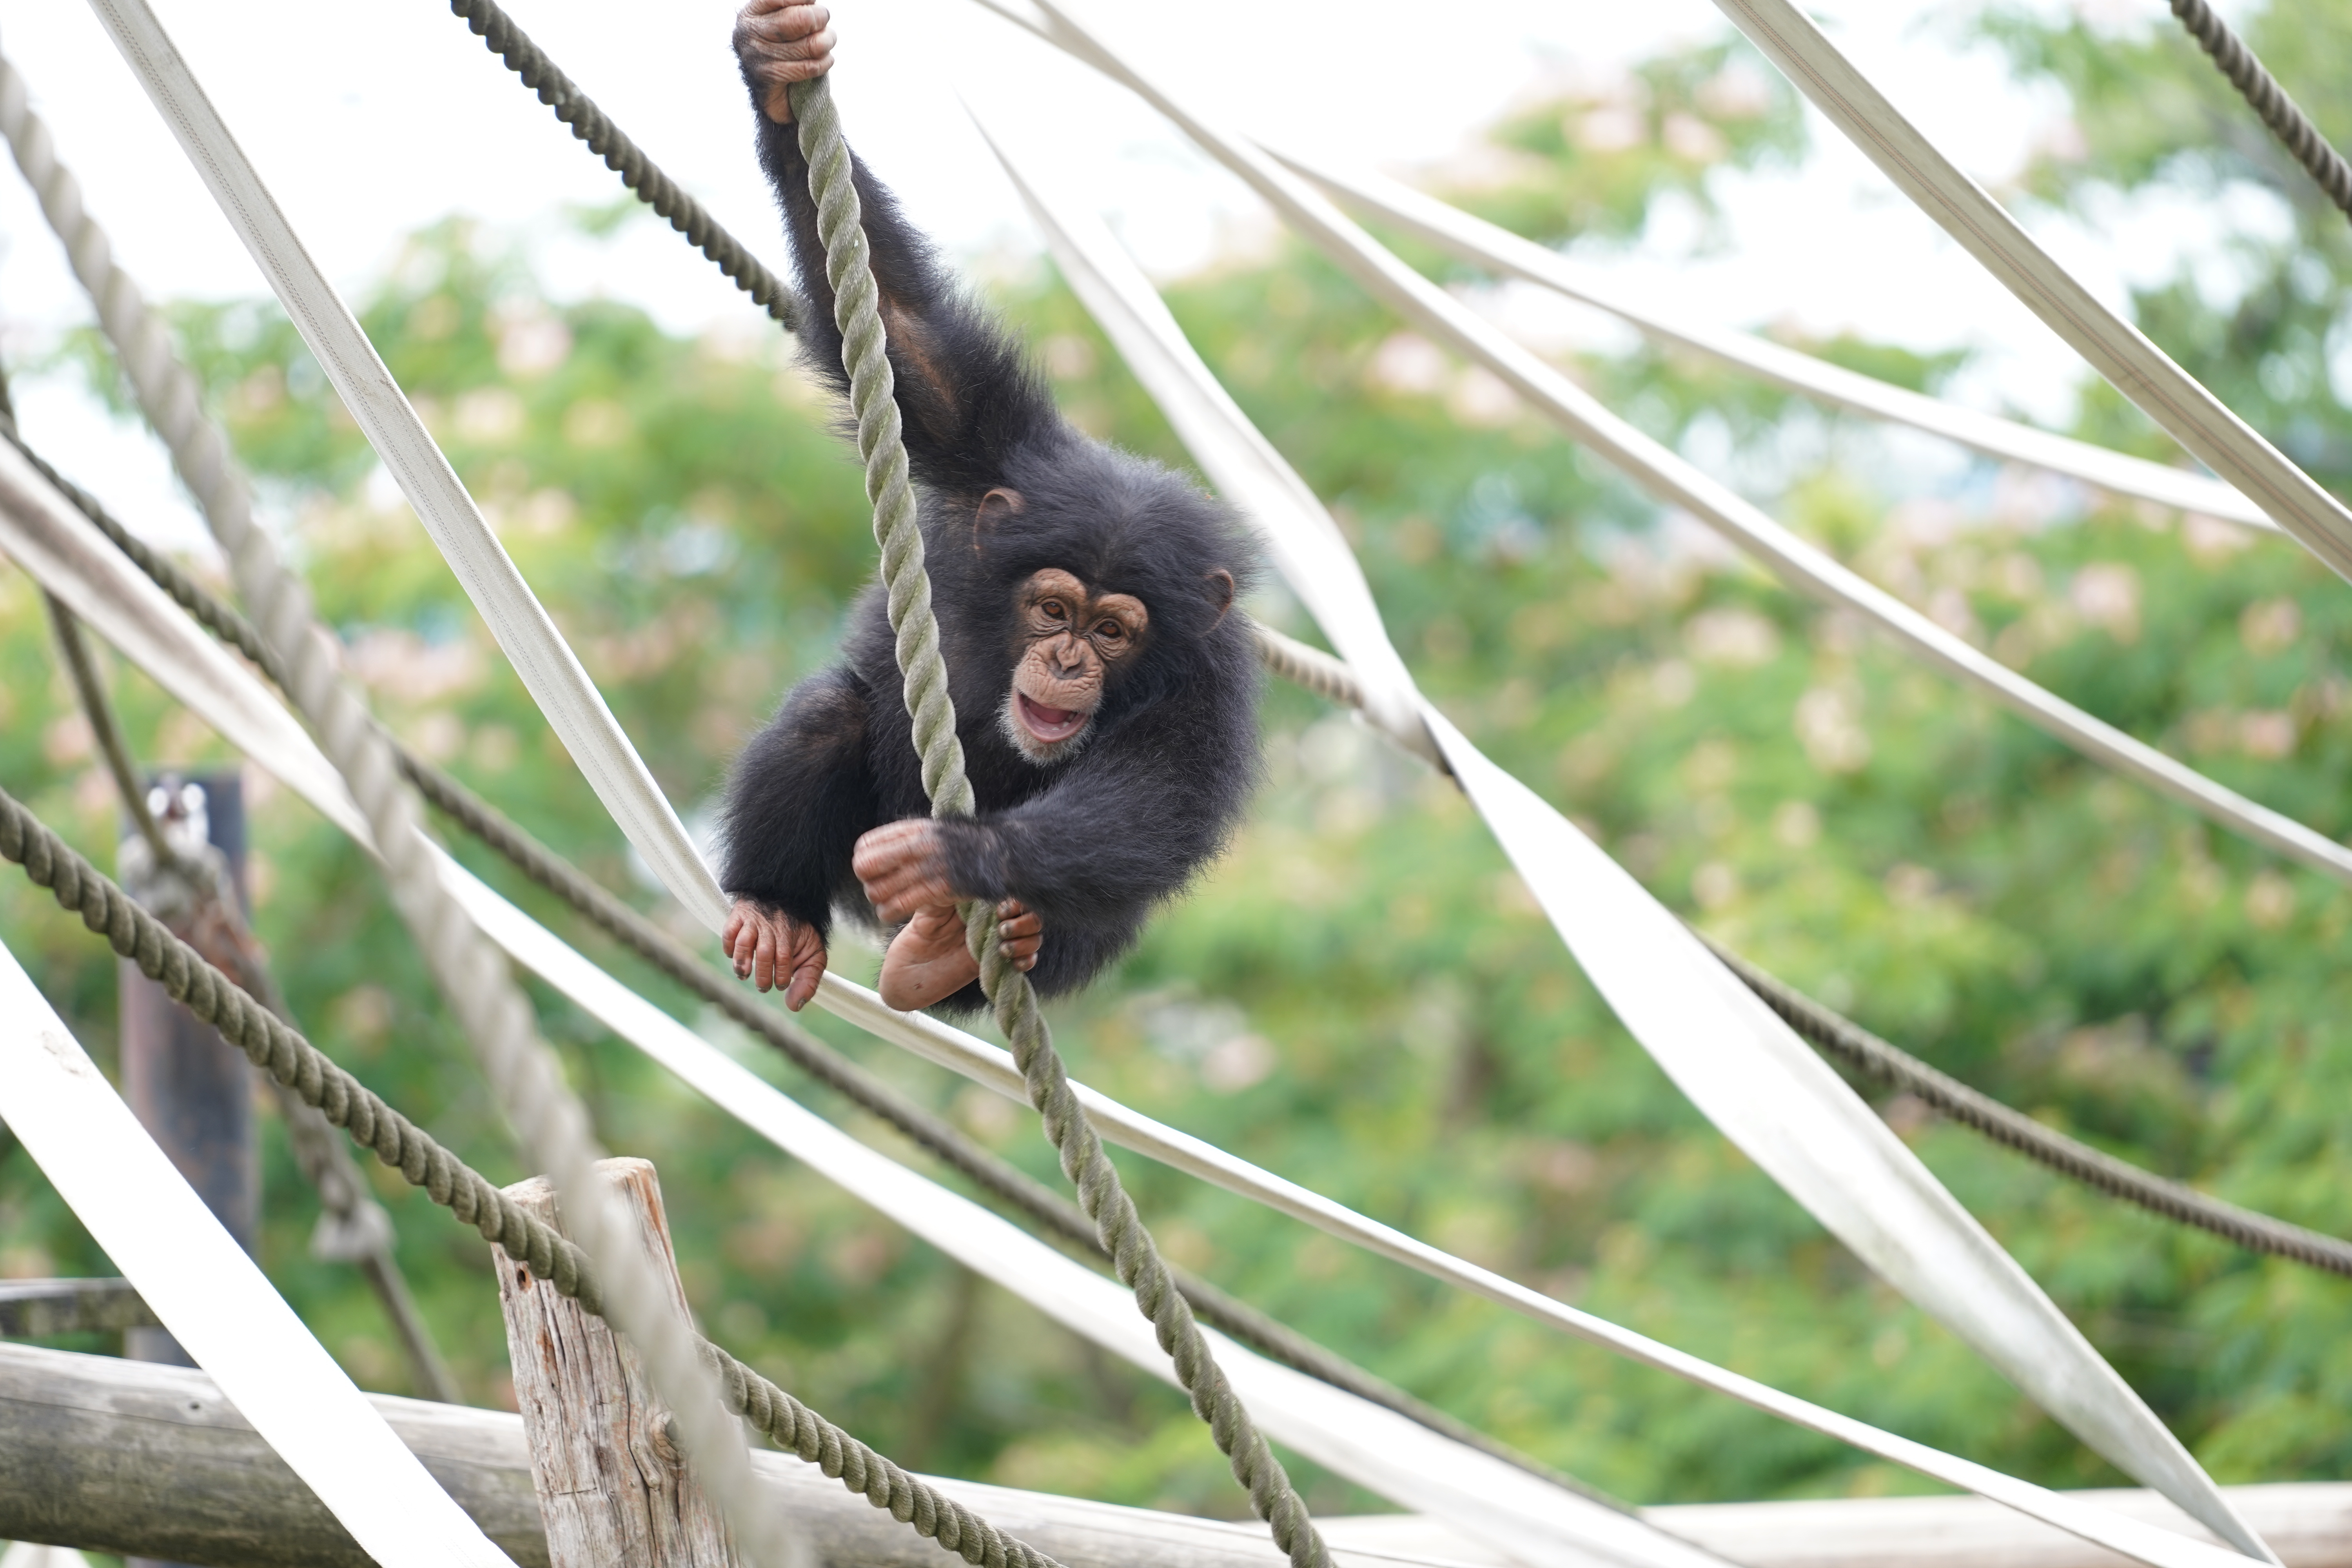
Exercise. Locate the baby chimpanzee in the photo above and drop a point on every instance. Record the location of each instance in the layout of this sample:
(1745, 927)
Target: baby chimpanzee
(1106, 696)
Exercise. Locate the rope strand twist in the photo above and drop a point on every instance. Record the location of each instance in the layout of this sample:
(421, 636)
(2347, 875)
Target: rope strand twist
(2262, 91)
(626, 158)
(906, 589)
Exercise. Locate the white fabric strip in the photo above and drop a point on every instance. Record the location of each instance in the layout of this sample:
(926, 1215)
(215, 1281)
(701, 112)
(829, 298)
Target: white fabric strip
(1737, 1061)
(214, 1299)
(2115, 348)
(1500, 1504)
(538, 651)
(1670, 479)
(223, 692)
(1486, 245)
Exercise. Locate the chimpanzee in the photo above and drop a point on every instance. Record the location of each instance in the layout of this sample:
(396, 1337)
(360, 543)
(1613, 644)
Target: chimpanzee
(1104, 694)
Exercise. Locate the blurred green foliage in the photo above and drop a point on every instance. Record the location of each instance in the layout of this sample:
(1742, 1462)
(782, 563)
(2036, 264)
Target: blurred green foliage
(1361, 995)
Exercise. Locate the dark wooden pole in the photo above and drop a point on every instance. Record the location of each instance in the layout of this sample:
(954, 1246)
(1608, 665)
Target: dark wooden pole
(191, 1089)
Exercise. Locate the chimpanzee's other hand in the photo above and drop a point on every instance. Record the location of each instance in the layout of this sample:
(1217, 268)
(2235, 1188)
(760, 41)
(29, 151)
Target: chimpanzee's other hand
(1020, 933)
(781, 42)
(771, 949)
(929, 959)
(903, 866)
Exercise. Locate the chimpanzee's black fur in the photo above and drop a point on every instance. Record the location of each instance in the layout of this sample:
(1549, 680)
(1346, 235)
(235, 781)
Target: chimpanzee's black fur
(1093, 843)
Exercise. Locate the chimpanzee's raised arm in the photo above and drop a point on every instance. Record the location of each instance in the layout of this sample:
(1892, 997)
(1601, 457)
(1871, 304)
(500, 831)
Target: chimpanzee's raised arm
(969, 395)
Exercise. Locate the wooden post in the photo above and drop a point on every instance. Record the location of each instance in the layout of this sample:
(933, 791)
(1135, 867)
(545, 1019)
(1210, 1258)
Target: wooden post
(188, 1087)
(612, 1488)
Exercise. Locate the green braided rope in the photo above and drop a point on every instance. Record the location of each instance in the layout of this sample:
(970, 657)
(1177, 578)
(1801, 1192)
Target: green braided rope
(908, 591)
(278, 1049)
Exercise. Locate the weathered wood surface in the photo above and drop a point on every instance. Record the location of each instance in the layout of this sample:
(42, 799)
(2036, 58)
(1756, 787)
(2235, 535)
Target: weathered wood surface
(31, 1308)
(150, 1461)
(612, 1488)
(132, 1457)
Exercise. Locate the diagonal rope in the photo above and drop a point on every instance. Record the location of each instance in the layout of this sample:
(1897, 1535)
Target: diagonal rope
(1849, 1043)
(626, 158)
(472, 976)
(280, 1050)
(906, 589)
(2261, 89)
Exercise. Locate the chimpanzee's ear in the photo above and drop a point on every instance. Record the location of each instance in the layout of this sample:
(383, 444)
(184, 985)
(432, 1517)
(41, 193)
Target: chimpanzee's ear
(1221, 591)
(994, 508)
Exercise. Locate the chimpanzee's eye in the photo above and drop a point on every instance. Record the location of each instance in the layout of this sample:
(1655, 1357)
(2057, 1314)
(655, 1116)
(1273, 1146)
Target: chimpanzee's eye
(1051, 609)
(1110, 631)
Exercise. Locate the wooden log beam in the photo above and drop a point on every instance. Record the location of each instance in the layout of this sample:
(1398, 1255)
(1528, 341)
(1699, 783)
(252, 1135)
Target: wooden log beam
(132, 1457)
(135, 1457)
(31, 1309)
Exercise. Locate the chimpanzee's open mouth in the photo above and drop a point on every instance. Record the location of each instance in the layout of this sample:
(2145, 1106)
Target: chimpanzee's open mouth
(1051, 725)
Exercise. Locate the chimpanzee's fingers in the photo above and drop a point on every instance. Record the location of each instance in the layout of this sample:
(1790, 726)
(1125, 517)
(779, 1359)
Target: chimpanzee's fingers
(799, 21)
(890, 844)
(794, 57)
(804, 983)
(902, 900)
(764, 958)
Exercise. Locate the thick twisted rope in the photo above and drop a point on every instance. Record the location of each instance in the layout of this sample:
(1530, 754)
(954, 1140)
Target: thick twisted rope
(1845, 1041)
(626, 158)
(907, 592)
(471, 972)
(278, 1049)
(2261, 89)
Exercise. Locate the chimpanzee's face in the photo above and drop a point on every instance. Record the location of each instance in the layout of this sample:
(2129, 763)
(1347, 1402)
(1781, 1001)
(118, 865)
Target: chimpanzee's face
(1069, 641)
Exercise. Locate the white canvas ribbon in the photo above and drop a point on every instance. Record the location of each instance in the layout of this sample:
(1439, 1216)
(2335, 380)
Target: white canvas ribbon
(1736, 1060)
(1499, 250)
(213, 1299)
(2115, 348)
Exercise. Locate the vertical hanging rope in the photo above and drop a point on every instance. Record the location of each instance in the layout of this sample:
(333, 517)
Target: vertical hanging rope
(2261, 89)
(908, 590)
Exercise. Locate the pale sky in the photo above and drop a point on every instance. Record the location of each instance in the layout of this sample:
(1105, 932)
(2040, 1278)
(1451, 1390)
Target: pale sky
(372, 121)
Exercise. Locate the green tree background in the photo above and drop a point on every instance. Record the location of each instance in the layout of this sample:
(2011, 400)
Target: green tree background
(1361, 995)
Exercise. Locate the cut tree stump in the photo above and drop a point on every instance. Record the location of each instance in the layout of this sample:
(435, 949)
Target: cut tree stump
(612, 1487)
